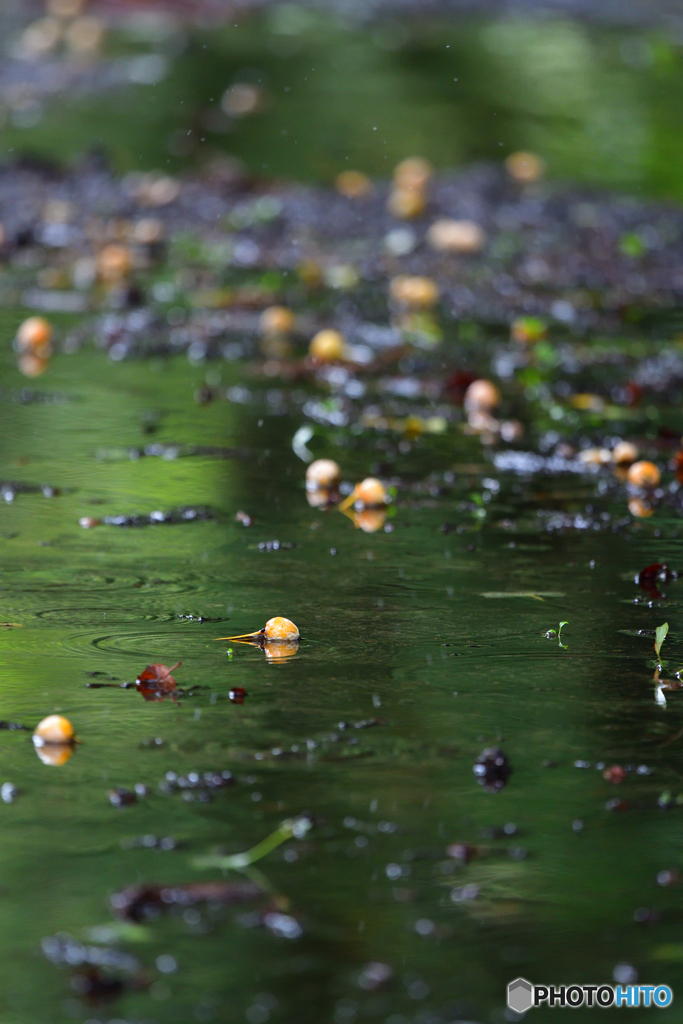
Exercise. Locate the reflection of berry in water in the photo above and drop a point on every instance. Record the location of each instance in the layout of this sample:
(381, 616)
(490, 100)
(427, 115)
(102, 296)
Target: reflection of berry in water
(652, 576)
(492, 769)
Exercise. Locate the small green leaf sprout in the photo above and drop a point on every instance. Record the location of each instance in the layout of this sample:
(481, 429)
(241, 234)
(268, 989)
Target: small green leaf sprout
(661, 684)
(660, 637)
(552, 633)
(291, 828)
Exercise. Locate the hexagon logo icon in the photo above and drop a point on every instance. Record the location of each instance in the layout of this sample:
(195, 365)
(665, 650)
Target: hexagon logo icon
(520, 995)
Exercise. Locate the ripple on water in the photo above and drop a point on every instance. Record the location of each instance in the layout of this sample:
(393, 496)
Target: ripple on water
(97, 616)
(145, 645)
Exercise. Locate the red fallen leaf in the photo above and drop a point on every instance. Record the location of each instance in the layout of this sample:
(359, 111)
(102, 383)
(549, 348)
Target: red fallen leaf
(615, 774)
(95, 986)
(156, 681)
(463, 852)
(139, 902)
(633, 393)
(458, 383)
(651, 576)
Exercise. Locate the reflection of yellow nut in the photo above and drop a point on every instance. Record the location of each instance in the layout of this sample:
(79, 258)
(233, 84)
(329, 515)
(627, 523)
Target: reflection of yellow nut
(65, 8)
(406, 203)
(40, 37)
(85, 35)
(277, 650)
(54, 729)
(148, 231)
(511, 430)
(644, 474)
(281, 629)
(310, 273)
(276, 320)
(353, 184)
(524, 167)
(322, 473)
(463, 236)
(320, 497)
(370, 520)
(32, 366)
(414, 292)
(481, 394)
(55, 754)
(637, 507)
(480, 421)
(528, 330)
(413, 173)
(328, 346)
(595, 456)
(587, 402)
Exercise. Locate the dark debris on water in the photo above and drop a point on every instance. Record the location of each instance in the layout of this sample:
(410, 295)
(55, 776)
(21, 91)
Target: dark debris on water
(184, 514)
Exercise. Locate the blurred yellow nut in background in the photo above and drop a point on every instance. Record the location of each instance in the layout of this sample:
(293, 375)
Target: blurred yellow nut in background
(406, 203)
(413, 173)
(322, 473)
(524, 167)
(414, 292)
(327, 346)
(460, 236)
(481, 394)
(276, 320)
(644, 474)
(34, 336)
(353, 184)
(114, 263)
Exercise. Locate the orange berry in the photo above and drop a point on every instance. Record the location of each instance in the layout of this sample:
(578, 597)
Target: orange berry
(280, 629)
(322, 473)
(644, 474)
(461, 236)
(54, 729)
(481, 394)
(328, 346)
(34, 336)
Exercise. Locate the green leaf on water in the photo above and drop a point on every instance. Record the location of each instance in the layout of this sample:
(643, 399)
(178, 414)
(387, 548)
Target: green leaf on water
(660, 637)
